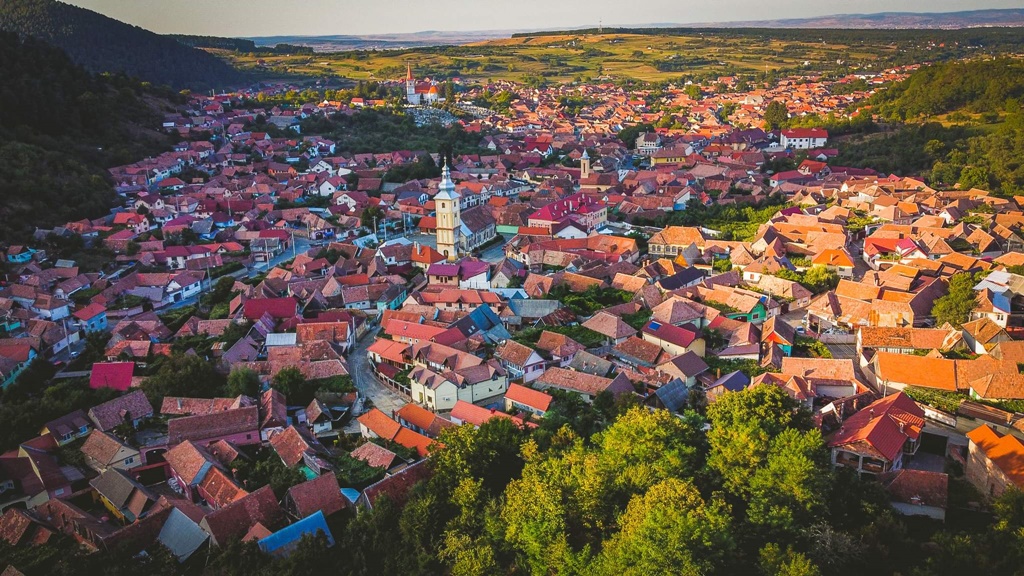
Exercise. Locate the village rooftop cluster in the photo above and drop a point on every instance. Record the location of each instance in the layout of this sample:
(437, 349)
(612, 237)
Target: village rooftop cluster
(492, 291)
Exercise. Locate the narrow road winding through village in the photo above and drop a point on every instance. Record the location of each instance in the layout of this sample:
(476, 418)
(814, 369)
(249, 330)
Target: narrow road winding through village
(365, 381)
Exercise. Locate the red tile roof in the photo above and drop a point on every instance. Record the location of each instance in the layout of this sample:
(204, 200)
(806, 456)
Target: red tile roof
(882, 428)
(528, 397)
(209, 426)
(187, 460)
(290, 445)
(321, 493)
(917, 487)
(477, 415)
(380, 424)
(89, 312)
(220, 488)
(235, 519)
(374, 455)
(414, 441)
(397, 487)
(398, 329)
(1005, 451)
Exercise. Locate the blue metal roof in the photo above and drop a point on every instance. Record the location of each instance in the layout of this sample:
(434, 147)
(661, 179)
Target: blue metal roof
(282, 542)
(350, 494)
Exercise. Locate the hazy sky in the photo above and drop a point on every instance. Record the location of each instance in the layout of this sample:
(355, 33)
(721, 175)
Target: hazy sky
(324, 17)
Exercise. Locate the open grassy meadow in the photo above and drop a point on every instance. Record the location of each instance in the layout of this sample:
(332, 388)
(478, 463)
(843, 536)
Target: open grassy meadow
(568, 57)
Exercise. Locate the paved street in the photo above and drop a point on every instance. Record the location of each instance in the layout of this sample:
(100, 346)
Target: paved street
(367, 384)
(301, 245)
(496, 252)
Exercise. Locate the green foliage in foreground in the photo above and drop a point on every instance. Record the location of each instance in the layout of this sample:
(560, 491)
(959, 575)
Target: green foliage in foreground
(647, 493)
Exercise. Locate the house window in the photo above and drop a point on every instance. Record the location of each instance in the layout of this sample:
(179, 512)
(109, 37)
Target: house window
(58, 492)
(129, 460)
(248, 436)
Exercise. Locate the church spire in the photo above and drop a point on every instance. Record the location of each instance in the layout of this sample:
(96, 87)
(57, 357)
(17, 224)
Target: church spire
(408, 71)
(446, 190)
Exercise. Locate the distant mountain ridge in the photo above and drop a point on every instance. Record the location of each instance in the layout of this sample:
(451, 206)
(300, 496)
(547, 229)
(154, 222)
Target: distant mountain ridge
(102, 44)
(894, 20)
(1010, 17)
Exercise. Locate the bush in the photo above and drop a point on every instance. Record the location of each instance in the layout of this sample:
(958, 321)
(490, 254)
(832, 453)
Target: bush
(812, 348)
(944, 401)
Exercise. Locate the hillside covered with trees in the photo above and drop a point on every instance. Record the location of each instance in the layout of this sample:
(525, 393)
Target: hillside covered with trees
(60, 129)
(964, 125)
(102, 44)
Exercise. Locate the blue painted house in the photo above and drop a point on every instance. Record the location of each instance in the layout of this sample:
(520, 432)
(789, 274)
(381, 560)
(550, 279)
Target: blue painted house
(92, 318)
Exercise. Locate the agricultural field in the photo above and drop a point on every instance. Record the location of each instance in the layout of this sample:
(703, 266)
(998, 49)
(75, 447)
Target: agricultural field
(579, 57)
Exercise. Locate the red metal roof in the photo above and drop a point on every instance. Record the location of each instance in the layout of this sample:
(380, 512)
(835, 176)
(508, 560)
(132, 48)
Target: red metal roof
(116, 375)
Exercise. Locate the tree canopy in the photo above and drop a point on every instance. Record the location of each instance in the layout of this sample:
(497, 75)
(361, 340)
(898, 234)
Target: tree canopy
(955, 307)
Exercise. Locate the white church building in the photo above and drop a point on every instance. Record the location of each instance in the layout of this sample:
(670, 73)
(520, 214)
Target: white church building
(420, 93)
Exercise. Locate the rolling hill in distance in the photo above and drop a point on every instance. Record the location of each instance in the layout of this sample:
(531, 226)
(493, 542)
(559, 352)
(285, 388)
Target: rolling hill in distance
(881, 20)
(102, 44)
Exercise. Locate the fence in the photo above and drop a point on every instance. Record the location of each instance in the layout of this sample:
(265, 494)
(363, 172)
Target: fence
(987, 413)
(941, 417)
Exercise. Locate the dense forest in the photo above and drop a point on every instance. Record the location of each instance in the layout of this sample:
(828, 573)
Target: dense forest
(610, 488)
(60, 128)
(979, 141)
(971, 86)
(102, 44)
(239, 45)
(374, 131)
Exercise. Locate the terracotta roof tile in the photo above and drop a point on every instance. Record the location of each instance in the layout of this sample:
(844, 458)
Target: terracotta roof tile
(528, 397)
(208, 426)
(1005, 451)
(321, 493)
(881, 428)
(380, 424)
(374, 455)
